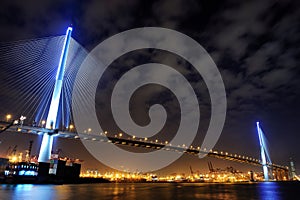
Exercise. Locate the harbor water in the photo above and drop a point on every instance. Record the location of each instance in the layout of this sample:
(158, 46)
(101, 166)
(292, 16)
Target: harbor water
(156, 191)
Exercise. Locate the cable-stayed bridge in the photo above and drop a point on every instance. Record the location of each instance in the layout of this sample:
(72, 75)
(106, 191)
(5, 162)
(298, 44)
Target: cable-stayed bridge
(43, 81)
(279, 170)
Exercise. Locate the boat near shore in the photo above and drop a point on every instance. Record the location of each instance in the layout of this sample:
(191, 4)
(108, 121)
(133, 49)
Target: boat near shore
(55, 172)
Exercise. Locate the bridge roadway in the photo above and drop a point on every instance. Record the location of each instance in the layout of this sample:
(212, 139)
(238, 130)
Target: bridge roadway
(137, 142)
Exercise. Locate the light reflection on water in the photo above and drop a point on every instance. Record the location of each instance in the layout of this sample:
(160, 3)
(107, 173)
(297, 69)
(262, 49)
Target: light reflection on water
(153, 191)
(270, 190)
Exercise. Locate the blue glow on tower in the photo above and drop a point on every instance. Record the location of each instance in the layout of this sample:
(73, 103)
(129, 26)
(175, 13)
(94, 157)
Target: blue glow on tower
(263, 152)
(46, 146)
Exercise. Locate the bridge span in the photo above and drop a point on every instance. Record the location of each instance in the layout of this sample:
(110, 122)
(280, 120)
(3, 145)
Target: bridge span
(278, 170)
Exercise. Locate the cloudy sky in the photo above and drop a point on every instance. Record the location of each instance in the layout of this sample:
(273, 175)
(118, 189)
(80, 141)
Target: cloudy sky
(255, 44)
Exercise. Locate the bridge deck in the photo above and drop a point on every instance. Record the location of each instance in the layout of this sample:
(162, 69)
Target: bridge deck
(4, 126)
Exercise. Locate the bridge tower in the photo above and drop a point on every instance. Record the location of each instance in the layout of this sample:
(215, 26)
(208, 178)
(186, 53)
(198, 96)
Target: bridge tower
(265, 157)
(46, 146)
(292, 170)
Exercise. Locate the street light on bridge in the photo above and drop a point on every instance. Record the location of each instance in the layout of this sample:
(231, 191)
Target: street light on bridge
(8, 117)
(71, 127)
(43, 123)
(22, 118)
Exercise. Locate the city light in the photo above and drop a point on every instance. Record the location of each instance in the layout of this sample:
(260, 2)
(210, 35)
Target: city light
(14, 159)
(210, 177)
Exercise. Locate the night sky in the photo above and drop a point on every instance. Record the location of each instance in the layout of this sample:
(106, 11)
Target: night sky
(255, 44)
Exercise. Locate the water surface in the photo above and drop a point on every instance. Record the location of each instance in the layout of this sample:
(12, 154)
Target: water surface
(153, 191)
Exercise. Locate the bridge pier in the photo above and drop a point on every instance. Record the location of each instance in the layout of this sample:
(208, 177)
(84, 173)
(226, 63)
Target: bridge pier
(46, 148)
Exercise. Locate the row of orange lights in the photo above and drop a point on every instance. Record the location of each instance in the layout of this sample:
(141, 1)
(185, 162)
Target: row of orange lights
(43, 122)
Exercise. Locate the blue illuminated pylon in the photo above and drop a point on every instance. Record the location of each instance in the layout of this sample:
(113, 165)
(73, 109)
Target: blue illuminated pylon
(263, 152)
(46, 146)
